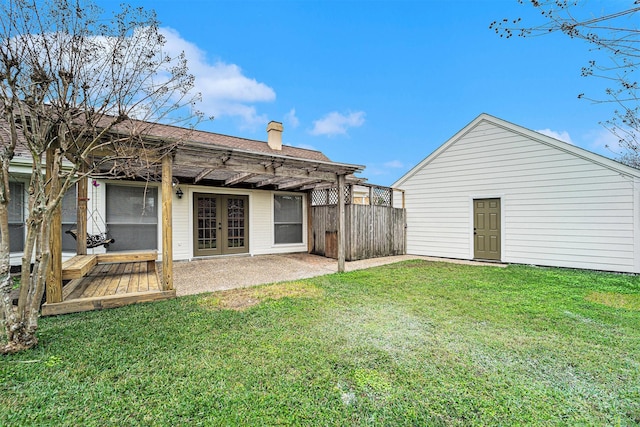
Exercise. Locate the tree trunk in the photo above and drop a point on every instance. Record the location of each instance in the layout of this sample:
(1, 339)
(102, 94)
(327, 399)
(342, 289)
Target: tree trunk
(20, 332)
(44, 198)
(12, 324)
(9, 314)
(22, 324)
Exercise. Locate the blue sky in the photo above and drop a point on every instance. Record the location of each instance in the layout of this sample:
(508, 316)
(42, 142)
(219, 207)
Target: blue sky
(379, 83)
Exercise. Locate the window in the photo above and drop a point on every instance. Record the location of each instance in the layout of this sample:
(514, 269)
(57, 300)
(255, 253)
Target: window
(287, 215)
(16, 217)
(69, 216)
(132, 217)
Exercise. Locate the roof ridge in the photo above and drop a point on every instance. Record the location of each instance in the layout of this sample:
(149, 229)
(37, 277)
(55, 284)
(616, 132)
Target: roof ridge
(208, 132)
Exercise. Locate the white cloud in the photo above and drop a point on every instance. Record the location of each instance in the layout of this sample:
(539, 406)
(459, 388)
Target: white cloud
(225, 90)
(336, 123)
(291, 119)
(562, 135)
(602, 140)
(394, 164)
(605, 142)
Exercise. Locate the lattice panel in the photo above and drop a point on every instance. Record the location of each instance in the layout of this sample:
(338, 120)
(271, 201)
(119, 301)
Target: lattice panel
(319, 198)
(332, 196)
(347, 194)
(329, 196)
(381, 196)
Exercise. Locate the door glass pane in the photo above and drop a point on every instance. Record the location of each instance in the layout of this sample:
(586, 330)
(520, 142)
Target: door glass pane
(235, 222)
(207, 223)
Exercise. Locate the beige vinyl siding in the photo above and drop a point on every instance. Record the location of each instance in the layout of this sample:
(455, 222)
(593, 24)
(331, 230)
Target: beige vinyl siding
(260, 222)
(181, 218)
(265, 243)
(260, 219)
(558, 209)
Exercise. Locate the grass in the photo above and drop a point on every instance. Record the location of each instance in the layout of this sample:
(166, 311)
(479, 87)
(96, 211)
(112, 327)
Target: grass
(415, 343)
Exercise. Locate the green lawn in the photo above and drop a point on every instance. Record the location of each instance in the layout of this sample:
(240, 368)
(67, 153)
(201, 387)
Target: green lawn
(415, 343)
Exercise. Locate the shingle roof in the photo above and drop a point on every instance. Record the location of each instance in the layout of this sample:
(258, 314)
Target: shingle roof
(162, 131)
(168, 131)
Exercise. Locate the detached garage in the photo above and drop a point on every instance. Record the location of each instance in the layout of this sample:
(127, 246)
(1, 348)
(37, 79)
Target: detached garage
(498, 191)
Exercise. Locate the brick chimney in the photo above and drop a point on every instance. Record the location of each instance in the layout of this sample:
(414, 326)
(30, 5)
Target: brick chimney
(274, 135)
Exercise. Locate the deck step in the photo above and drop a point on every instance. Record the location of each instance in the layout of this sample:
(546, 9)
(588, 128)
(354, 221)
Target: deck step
(137, 256)
(78, 266)
(109, 301)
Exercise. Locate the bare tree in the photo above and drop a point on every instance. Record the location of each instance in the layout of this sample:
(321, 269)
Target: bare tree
(614, 37)
(79, 91)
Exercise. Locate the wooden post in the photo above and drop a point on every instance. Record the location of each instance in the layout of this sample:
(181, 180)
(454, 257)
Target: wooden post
(404, 229)
(370, 195)
(309, 223)
(341, 225)
(81, 215)
(54, 276)
(167, 223)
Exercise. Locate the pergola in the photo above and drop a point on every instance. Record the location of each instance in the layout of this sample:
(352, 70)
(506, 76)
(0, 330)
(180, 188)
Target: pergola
(193, 162)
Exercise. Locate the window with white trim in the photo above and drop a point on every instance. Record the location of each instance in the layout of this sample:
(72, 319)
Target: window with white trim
(16, 217)
(287, 218)
(69, 214)
(132, 217)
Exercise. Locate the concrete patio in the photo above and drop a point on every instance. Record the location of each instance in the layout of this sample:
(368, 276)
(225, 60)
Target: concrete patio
(222, 273)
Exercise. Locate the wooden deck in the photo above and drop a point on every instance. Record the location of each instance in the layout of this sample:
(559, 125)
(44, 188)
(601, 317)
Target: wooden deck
(108, 281)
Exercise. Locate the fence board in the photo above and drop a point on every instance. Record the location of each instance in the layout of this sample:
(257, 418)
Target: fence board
(371, 231)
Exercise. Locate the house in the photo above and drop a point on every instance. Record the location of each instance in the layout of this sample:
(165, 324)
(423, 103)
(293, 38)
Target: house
(213, 195)
(497, 191)
(230, 195)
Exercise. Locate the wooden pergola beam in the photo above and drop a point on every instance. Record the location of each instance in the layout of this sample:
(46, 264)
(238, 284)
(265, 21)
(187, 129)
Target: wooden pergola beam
(238, 178)
(311, 186)
(249, 166)
(296, 184)
(202, 175)
(268, 181)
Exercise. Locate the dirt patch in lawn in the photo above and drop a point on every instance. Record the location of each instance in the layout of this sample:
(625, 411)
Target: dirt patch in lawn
(615, 300)
(241, 299)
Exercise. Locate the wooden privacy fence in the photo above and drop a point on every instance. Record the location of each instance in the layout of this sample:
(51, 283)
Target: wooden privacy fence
(371, 230)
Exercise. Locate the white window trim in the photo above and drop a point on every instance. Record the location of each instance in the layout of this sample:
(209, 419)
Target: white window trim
(304, 220)
(102, 205)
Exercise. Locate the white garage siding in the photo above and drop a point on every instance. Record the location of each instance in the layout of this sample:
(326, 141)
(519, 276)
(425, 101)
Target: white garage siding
(561, 205)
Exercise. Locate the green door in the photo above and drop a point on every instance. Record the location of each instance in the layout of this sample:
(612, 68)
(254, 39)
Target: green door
(221, 224)
(486, 229)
